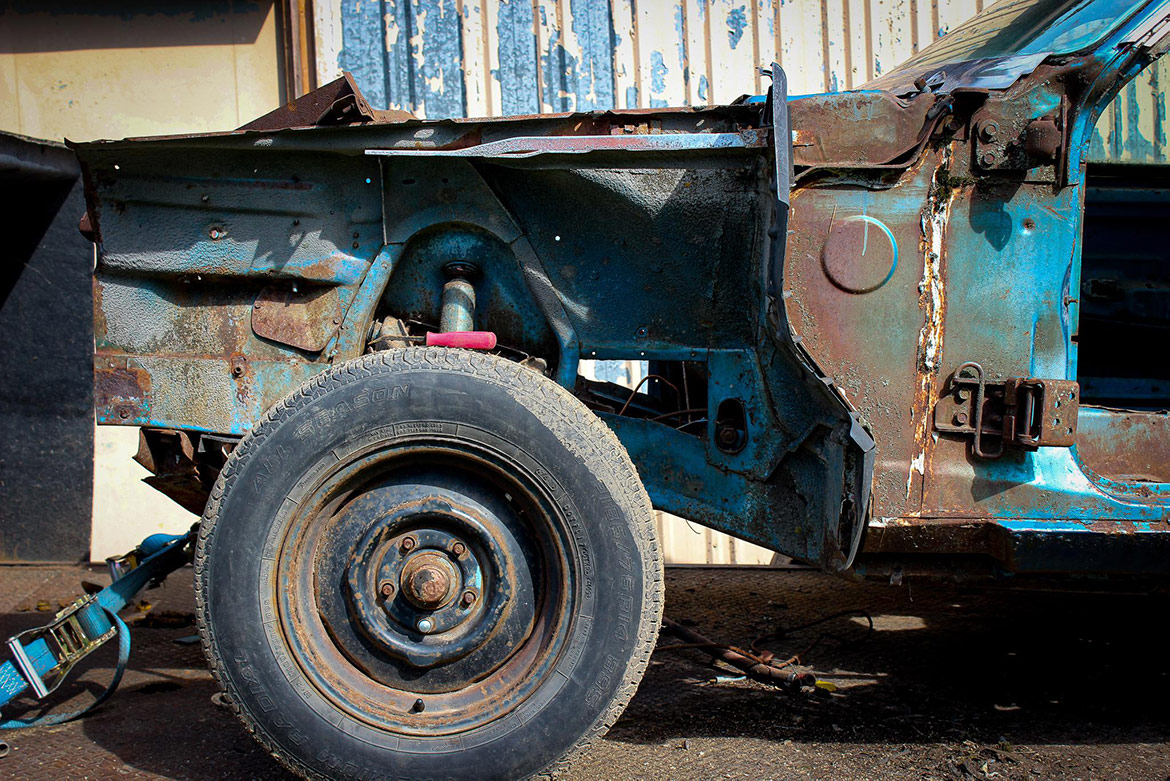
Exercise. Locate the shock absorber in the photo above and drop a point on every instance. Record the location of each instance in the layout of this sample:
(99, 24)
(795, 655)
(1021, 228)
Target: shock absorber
(457, 312)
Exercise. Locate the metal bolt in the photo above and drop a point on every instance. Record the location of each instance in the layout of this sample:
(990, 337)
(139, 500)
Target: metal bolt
(989, 130)
(468, 599)
(387, 589)
(123, 413)
(419, 706)
(727, 435)
(988, 159)
(458, 549)
(408, 544)
(425, 625)
(961, 418)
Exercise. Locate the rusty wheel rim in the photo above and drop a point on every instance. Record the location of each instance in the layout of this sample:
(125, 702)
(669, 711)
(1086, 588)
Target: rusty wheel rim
(429, 529)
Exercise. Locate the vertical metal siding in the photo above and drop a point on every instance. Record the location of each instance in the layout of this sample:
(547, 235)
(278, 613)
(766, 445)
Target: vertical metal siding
(440, 58)
(1132, 129)
(507, 57)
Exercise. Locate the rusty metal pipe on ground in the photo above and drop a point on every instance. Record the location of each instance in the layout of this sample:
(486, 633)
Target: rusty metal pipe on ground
(787, 678)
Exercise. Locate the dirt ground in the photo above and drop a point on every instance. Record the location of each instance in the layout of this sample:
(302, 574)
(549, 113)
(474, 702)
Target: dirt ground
(951, 684)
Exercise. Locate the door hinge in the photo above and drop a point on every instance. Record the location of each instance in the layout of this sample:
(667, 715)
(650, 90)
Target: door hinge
(1022, 412)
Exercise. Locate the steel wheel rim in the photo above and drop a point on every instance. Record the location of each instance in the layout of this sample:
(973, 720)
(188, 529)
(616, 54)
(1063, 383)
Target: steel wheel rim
(323, 649)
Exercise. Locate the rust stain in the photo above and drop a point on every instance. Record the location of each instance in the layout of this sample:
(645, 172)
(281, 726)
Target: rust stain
(932, 300)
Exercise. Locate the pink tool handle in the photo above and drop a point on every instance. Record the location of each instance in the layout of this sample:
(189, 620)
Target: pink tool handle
(470, 340)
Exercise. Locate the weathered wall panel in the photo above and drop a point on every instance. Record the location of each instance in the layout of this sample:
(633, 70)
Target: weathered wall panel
(1132, 128)
(508, 57)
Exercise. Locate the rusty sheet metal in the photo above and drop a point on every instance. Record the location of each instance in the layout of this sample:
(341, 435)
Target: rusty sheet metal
(858, 269)
(1131, 446)
(523, 147)
(828, 136)
(121, 392)
(305, 318)
(336, 103)
(183, 465)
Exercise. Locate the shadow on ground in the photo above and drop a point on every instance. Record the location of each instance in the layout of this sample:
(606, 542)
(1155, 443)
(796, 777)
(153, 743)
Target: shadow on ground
(950, 684)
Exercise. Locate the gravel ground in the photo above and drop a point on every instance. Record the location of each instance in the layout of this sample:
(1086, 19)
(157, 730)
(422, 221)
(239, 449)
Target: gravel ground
(951, 684)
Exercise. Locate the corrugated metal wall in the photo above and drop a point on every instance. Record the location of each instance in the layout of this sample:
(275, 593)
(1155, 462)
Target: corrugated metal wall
(442, 58)
(1133, 127)
(504, 57)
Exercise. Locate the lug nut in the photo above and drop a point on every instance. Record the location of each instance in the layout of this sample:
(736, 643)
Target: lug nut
(468, 599)
(419, 706)
(458, 549)
(408, 544)
(387, 589)
(425, 625)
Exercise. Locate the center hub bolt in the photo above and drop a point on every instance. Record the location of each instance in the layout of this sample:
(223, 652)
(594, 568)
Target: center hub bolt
(429, 580)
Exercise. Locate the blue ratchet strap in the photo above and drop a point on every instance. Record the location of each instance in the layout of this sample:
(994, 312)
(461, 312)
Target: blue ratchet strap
(82, 627)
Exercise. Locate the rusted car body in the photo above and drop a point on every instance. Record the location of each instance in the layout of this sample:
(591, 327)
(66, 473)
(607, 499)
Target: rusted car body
(874, 370)
(908, 331)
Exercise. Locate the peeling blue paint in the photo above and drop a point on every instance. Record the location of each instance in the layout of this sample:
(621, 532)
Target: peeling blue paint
(736, 24)
(363, 51)
(393, 72)
(681, 36)
(704, 87)
(658, 71)
(438, 78)
(1159, 115)
(559, 69)
(517, 74)
(593, 26)
(631, 97)
(1137, 147)
(1096, 145)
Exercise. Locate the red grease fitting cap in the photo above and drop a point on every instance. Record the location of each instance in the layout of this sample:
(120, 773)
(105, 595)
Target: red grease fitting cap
(469, 340)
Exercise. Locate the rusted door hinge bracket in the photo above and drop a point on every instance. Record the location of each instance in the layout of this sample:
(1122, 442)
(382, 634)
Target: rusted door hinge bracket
(1022, 412)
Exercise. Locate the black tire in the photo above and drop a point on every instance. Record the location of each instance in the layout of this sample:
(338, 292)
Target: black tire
(502, 479)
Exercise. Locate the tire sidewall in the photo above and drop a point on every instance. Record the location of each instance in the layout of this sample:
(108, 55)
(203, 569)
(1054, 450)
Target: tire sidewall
(345, 412)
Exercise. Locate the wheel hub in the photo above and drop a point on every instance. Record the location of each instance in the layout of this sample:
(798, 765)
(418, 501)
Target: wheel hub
(429, 580)
(435, 579)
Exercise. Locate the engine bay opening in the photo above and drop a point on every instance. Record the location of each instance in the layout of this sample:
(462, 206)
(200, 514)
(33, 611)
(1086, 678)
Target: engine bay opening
(1124, 320)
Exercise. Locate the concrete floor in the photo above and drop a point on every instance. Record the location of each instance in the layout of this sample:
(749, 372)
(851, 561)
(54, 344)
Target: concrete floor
(952, 684)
